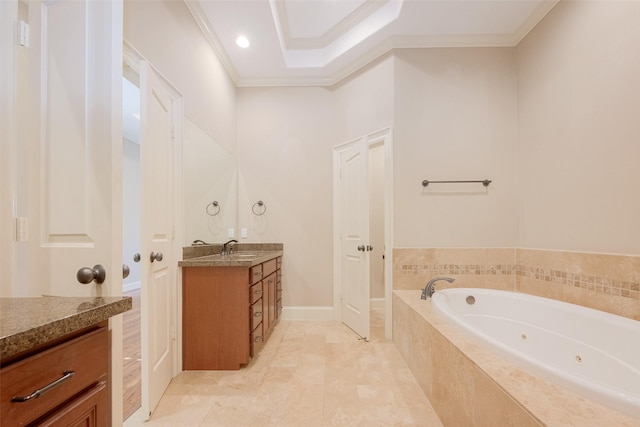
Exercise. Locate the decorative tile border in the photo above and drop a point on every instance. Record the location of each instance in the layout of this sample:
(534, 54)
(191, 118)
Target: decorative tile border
(592, 283)
(477, 269)
(603, 285)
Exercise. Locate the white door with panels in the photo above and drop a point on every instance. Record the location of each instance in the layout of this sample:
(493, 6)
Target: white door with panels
(67, 167)
(74, 109)
(160, 135)
(352, 233)
(353, 188)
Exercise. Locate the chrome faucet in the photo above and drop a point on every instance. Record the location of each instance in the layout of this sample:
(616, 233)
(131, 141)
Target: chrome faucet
(227, 249)
(428, 290)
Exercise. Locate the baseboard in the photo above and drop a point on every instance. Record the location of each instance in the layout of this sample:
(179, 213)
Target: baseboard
(130, 286)
(376, 303)
(307, 313)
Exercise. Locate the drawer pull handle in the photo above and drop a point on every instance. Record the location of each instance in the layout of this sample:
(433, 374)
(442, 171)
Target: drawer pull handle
(65, 377)
(258, 291)
(257, 313)
(258, 339)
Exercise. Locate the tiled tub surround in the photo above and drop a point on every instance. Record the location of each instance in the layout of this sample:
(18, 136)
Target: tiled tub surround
(604, 282)
(471, 386)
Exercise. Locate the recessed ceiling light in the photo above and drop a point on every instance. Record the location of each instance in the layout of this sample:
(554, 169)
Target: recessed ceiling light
(243, 42)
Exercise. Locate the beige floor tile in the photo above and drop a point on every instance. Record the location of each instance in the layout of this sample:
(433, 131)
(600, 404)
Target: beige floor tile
(309, 374)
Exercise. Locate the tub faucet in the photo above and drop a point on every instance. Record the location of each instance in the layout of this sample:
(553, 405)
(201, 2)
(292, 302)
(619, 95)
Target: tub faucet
(226, 247)
(428, 290)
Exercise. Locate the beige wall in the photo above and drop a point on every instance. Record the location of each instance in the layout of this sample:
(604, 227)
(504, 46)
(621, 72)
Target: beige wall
(166, 34)
(523, 117)
(579, 129)
(285, 137)
(455, 119)
(285, 143)
(363, 103)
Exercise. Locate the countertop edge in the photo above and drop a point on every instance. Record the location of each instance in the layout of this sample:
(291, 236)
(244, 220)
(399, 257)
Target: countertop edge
(30, 338)
(216, 261)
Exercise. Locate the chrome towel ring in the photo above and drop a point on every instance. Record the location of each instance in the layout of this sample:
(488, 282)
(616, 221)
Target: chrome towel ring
(259, 208)
(215, 208)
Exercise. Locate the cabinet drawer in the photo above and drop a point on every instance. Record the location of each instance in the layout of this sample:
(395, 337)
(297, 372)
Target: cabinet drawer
(89, 409)
(255, 274)
(255, 293)
(85, 356)
(256, 314)
(268, 267)
(257, 340)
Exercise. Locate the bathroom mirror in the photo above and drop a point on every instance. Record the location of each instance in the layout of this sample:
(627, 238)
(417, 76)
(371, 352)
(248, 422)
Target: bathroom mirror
(209, 175)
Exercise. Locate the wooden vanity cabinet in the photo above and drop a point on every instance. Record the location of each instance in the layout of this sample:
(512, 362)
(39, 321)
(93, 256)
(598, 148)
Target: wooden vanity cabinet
(71, 374)
(228, 313)
(278, 288)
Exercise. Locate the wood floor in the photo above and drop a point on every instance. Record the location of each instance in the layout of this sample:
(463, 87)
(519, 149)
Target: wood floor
(131, 351)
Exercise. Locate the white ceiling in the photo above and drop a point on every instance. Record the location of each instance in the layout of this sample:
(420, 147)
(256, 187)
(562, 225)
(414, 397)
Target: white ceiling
(319, 42)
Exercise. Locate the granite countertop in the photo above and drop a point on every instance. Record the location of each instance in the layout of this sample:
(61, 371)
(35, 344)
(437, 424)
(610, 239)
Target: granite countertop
(237, 259)
(28, 322)
(244, 255)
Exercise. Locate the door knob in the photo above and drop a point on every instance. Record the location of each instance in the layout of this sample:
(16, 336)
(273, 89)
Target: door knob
(125, 271)
(136, 257)
(96, 274)
(369, 248)
(361, 248)
(156, 256)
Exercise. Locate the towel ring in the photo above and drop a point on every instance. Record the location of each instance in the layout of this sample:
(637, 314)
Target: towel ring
(216, 208)
(259, 208)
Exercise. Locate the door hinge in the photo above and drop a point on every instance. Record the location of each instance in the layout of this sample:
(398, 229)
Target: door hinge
(22, 229)
(23, 34)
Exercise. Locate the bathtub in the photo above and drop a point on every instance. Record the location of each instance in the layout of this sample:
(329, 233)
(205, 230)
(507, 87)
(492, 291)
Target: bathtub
(589, 352)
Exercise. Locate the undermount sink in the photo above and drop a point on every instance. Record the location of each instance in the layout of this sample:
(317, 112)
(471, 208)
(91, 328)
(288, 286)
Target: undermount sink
(245, 255)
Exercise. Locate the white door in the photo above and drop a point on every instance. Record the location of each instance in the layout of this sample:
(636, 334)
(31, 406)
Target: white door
(354, 237)
(74, 124)
(160, 127)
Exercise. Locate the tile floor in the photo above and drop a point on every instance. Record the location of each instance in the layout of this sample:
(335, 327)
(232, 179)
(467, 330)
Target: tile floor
(308, 374)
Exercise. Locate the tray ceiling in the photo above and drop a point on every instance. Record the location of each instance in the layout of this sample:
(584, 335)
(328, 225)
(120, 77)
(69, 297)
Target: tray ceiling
(319, 42)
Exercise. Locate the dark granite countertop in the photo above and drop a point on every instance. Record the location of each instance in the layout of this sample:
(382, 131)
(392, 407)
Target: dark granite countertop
(28, 322)
(244, 255)
(239, 259)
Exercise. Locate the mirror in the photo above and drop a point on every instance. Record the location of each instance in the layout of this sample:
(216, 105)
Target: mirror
(209, 175)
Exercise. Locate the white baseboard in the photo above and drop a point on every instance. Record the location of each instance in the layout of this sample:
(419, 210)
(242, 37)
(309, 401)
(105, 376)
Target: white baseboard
(130, 286)
(307, 313)
(376, 303)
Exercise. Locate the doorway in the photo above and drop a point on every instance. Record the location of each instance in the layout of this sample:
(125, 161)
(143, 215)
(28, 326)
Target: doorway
(157, 237)
(363, 233)
(131, 215)
(376, 237)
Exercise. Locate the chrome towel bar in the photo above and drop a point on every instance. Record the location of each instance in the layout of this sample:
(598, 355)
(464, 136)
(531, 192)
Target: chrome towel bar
(484, 182)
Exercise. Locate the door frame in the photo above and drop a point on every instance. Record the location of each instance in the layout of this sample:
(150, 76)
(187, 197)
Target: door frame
(8, 47)
(131, 69)
(384, 136)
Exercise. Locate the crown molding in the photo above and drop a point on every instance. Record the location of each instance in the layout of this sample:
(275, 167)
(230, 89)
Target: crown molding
(534, 18)
(210, 35)
(396, 42)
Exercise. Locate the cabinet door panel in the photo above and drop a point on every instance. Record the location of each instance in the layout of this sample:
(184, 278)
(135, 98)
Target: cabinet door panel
(89, 410)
